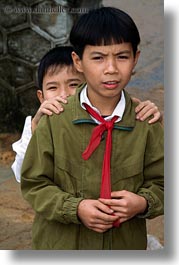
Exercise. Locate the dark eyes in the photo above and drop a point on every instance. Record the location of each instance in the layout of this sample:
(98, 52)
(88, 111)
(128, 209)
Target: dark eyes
(97, 58)
(119, 57)
(74, 85)
(123, 57)
(52, 88)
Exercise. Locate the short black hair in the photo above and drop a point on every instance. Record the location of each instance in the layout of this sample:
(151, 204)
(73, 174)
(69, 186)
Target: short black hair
(58, 56)
(104, 26)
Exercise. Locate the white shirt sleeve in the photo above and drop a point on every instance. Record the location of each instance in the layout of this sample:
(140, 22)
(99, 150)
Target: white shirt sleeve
(20, 148)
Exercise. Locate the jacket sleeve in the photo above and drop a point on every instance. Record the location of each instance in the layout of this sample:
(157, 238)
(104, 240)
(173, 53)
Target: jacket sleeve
(153, 186)
(37, 175)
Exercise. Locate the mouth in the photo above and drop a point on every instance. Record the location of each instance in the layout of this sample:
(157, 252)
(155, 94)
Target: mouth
(111, 84)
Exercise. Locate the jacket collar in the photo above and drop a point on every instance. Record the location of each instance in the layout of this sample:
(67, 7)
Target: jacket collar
(81, 116)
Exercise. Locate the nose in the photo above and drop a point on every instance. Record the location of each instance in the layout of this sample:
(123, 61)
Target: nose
(64, 93)
(111, 67)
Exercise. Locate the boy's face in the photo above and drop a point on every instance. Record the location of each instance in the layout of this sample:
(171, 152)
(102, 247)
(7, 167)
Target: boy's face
(61, 81)
(107, 69)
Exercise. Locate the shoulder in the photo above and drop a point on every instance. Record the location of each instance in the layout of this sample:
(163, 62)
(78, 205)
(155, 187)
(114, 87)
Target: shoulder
(152, 128)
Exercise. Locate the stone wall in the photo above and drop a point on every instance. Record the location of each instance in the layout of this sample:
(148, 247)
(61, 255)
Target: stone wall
(28, 29)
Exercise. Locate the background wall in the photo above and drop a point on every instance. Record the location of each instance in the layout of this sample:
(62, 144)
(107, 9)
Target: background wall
(28, 29)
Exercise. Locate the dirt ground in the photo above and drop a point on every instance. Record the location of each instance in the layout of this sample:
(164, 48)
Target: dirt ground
(17, 216)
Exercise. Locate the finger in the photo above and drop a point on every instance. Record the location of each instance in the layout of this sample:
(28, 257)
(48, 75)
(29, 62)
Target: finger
(111, 202)
(145, 109)
(53, 108)
(106, 201)
(118, 194)
(61, 99)
(120, 211)
(103, 207)
(106, 218)
(102, 222)
(151, 112)
(98, 225)
(136, 100)
(100, 229)
(55, 104)
(47, 112)
(58, 107)
(124, 219)
(140, 106)
(145, 104)
(156, 117)
(146, 113)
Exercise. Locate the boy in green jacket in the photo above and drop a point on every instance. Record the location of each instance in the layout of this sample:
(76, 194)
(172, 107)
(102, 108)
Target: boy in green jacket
(58, 79)
(97, 173)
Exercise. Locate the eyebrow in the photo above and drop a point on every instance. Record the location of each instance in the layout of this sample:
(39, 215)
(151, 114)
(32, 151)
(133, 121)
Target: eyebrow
(73, 79)
(67, 81)
(105, 54)
(52, 83)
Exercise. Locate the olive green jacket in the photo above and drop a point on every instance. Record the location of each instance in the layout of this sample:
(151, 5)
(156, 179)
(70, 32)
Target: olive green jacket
(55, 178)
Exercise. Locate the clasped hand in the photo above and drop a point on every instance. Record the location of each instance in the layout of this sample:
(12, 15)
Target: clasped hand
(99, 215)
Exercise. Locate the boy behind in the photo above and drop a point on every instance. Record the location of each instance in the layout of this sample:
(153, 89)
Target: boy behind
(76, 207)
(57, 79)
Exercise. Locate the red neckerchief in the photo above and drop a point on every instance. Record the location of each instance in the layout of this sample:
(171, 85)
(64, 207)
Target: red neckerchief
(97, 133)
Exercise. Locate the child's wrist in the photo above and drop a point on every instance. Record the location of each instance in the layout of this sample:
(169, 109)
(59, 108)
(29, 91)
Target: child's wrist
(144, 205)
(33, 125)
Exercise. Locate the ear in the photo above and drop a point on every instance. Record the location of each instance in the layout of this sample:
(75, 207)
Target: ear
(77, 62)
(136, 57)
(40, 95)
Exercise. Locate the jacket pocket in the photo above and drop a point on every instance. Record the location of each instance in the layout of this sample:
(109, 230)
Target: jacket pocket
(128, 177)
(67, 175)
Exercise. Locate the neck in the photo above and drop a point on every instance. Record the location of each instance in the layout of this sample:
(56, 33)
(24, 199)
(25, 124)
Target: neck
(106, 105)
